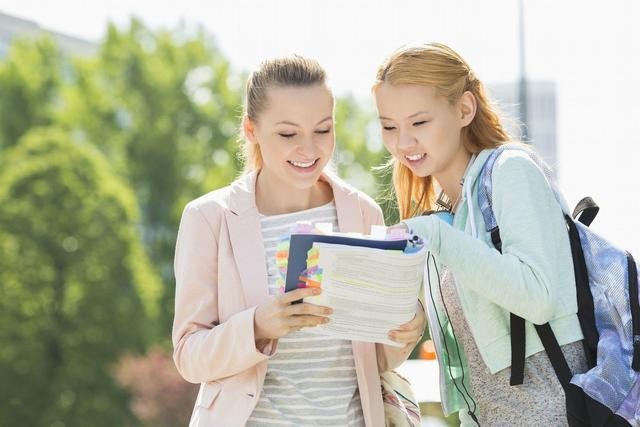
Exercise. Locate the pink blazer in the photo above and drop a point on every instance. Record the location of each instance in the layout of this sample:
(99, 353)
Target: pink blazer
(220, 279)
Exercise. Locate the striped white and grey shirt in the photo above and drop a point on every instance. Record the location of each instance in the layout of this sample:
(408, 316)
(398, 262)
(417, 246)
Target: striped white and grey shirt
(311, 380)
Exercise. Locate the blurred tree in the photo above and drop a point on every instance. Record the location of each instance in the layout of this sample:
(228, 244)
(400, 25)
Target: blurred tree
(164, 107)
(30, 83)
(168, 400)
(77, 289)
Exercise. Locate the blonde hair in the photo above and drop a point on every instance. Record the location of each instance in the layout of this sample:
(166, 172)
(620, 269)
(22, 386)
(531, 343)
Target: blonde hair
(437, 65)
(287, 71)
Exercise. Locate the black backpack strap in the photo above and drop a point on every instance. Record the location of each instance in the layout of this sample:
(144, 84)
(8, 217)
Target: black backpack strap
(518, 347)
(517, 331)
(495, 238)
(587, 209)
(556, 357)
(586, 310)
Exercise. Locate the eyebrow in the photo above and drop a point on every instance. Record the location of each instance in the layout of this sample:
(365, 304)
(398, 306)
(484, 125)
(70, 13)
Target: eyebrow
(285, 122)
(325, 119)
(410, 117)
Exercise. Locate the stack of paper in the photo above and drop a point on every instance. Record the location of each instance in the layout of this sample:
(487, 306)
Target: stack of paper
(372, 285)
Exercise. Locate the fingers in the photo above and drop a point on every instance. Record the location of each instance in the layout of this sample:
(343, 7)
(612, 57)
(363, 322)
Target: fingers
(411, 324)
(405, 337)
(306, 308)
(413, 329)
(306, 315)
(398, 228)
(297, 294)
(414, 323)
(305, 320)
(419, 320)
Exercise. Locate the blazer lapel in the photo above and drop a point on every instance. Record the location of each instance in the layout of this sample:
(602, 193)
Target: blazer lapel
(347, 205)
(243, 221)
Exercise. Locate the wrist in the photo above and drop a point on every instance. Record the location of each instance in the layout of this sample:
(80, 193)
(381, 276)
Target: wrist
(257, 331)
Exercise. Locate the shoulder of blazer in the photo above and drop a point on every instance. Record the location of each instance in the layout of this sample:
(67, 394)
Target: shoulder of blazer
(234, 197)
(239, 197)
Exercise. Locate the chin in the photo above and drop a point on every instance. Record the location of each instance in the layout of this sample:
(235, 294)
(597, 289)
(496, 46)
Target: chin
(421, 172)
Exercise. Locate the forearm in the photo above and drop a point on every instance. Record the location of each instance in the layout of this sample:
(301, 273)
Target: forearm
(505, 279)
(208, 354)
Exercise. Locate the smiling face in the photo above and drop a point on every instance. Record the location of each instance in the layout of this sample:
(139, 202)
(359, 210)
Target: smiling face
(421, 129)
(295, 134)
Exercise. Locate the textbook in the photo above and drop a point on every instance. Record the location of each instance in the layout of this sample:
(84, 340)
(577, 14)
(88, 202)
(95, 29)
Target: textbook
(371, 283)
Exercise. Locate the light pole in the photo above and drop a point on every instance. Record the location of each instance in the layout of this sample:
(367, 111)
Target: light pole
(522, 86)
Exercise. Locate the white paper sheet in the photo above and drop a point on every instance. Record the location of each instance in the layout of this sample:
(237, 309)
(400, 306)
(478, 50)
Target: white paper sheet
(371, 291)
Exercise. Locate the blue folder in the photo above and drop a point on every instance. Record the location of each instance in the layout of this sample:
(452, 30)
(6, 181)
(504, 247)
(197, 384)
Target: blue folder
(300, 244)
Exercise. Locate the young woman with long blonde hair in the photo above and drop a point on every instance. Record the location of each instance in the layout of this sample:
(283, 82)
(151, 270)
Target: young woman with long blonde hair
(440, 127)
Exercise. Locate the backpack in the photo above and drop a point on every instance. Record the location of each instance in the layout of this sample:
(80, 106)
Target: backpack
(608, 394)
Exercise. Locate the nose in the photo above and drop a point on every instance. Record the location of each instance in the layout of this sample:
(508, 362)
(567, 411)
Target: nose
(307, 148)
(405, 140)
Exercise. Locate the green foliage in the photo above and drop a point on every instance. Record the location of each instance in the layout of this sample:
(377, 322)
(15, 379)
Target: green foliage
(164, 108)
(30, 81)
(76, 286)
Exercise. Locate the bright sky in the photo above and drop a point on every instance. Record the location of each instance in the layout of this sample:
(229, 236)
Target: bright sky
(590, 49)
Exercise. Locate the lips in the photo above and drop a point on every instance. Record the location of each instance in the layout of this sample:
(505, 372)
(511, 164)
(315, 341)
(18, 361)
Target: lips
(415, 157)
(304, 166)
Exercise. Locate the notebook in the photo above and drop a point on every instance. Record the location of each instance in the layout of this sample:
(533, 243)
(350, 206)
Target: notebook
(300, 244)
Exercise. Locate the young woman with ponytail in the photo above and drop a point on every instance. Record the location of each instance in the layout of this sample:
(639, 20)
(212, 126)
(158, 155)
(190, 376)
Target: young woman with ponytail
(235, 331)
(440, 127)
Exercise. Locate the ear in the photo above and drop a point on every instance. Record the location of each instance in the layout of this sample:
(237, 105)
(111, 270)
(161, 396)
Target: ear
(467, 106)
(249, 130)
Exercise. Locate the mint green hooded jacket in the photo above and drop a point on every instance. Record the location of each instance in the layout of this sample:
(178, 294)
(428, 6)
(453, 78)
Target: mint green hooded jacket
(533, 277)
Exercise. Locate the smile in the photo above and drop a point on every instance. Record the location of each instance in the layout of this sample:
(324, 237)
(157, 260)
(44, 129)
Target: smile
(415, 157)
(303, 165)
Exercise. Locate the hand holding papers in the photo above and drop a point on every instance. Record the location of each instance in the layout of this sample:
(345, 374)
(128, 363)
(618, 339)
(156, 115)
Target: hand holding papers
(372, 284)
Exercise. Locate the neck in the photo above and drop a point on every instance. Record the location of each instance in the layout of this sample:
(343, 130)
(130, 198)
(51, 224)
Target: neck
(449, 178)
(274, 196)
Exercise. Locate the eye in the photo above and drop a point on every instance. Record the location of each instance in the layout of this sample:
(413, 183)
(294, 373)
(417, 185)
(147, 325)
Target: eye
(388, 128)
(287, 135)
(323, 131)
(420, 123)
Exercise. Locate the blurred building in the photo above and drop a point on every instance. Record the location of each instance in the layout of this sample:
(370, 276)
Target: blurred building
(12, 27)
(541, 115)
